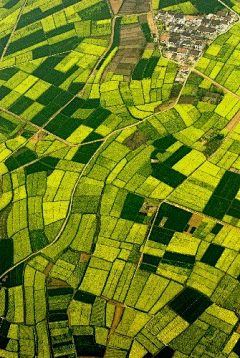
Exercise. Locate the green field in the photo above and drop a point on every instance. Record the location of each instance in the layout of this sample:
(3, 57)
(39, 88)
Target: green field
(119, 184)
(201, 6)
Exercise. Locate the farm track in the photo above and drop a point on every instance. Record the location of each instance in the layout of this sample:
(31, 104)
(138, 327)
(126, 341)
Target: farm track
(233, 123)
(119, 308)
(215, 83)
(13, 30)
(40, 129)
(223, 3)
(200, 213)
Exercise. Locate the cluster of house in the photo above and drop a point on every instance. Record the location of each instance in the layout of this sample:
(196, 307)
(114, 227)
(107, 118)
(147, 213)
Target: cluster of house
(185, 36)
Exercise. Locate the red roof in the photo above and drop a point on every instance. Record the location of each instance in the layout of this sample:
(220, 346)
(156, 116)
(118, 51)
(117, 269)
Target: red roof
(181, 50)
(190, 17)
(164, 37)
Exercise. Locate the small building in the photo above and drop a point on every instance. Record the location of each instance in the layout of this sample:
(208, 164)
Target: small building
(173, 49)
(229, 19)
(181, 50)
(205, 22)
(190, 17)
(215, 23)
(206, 30)
(180, 28)
(186, 43)
(165, 38)
(187, 34)
(221, 13)
(173, 40)
(184, 69)
(179, 18)
(194, 53)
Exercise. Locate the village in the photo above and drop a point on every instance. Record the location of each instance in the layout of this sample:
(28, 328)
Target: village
(184, 37)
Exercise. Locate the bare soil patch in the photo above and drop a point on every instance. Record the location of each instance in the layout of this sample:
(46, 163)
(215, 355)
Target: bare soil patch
(115, 5)
(135, 7)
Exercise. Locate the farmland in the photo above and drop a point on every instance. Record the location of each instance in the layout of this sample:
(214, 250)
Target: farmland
(119, 182)
(221, 60)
